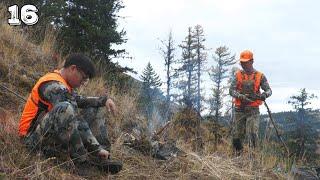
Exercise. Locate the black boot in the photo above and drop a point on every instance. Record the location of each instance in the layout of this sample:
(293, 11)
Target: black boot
(107, 165)
(237, 146)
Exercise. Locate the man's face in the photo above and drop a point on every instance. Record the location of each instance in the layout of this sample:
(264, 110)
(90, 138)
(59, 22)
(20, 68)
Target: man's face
(247, 66)
(77, 77)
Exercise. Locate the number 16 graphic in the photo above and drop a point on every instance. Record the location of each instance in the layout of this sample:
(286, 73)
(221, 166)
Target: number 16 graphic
(28, 15)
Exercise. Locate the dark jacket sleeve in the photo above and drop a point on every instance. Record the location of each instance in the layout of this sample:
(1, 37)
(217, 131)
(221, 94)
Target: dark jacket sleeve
(55, 92)
(233, 88)
(265, 86)
(85, 102)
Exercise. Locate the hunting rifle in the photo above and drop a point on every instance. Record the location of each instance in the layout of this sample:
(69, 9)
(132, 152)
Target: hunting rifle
(276, 129)
(249, 99)
(13, 92)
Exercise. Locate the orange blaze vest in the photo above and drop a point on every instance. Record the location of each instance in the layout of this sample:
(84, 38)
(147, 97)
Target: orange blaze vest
(35, 105)
(256, 77)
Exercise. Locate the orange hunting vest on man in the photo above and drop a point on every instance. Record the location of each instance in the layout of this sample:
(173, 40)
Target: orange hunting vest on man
(256, 79)
(35, 105)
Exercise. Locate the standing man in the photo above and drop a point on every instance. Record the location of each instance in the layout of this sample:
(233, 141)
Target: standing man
(245, 89)
(52, 116)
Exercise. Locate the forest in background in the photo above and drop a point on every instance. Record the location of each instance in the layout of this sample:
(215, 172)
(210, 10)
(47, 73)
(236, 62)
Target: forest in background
(70, 30)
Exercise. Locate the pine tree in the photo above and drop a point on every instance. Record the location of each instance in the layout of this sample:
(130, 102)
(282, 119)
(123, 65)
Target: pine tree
(200, 59)
(186, 72)
(304, 134)
(90, 26)
(82, 26)
(150, 84)
(167, 52)
(150, 78)
(229, 104)
(218, 74)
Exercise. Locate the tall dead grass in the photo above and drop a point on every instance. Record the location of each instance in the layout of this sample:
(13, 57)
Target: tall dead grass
(23, 62)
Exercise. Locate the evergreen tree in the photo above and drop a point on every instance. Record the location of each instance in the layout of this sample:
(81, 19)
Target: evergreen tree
(150, 84)
(82, 26)
(229, 104)
(168, 54)
(187, 71)
(90, 26)
(302, 139)
(189, 78)
(149, 77)
(200, 59)
(218, 74)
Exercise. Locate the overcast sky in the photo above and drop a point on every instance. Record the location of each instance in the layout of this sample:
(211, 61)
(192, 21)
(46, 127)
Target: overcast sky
(283, 35)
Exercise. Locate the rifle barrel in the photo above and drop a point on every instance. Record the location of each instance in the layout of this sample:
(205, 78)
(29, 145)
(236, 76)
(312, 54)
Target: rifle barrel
(276, 129)
(18, 95)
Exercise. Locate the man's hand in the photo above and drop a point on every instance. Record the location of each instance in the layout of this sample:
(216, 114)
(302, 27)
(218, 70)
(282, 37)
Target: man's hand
(262, 96)
(244, 98)
(104, 154)
(111, 106)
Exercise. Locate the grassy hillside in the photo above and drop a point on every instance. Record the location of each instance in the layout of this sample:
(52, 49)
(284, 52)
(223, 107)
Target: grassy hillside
(22, 63)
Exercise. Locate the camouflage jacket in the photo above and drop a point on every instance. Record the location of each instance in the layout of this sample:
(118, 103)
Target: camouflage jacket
(55, 92)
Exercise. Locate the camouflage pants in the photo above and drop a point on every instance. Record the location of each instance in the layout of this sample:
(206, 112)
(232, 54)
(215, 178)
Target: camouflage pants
(63, 128)
(246, 126)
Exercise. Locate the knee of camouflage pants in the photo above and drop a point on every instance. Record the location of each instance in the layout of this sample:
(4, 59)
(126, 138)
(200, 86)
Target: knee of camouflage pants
(252, 127)
(239, 131)
(97, 123)
(61, 126)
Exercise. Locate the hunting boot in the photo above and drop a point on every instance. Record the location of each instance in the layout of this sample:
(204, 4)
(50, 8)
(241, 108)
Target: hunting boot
(237, 146)
(107, 165)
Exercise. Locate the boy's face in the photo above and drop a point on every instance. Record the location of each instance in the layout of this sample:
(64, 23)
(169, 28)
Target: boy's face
(76, 77)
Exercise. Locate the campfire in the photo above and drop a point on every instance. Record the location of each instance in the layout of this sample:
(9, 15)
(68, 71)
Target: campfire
(156, 146)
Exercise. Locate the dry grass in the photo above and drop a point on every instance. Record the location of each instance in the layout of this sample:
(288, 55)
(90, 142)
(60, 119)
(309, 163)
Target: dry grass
(23, 62)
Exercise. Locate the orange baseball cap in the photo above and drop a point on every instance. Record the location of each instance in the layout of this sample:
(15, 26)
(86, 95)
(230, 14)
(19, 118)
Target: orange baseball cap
(246, 55)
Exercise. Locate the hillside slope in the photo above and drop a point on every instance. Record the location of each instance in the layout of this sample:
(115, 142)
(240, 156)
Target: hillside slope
(22, 63)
